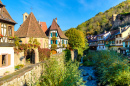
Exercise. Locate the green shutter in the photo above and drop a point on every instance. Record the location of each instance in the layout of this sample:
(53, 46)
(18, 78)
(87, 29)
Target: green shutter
(56, 34)
(56, 41)
(62, 41)
(51, 42)
(51, 34)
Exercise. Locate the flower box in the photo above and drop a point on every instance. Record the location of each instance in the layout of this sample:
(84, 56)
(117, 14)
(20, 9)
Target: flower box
(11, 38)
(1, 36)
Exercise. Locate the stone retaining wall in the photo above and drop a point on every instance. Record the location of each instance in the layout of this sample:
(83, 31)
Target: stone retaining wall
(25, 76)
(19, 58)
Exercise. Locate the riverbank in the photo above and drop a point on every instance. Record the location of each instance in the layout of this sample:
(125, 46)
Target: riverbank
(111, 68)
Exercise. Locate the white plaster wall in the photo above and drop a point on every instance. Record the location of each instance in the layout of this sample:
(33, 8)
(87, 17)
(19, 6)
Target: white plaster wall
(101, 48)
(10, 68)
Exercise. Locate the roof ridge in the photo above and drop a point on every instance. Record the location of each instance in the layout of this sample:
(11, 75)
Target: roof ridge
(29, 24)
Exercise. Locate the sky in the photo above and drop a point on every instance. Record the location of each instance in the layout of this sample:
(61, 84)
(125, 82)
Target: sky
(69, 13)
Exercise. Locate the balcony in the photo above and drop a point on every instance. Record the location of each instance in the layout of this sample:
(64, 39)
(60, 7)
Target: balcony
(93, 44)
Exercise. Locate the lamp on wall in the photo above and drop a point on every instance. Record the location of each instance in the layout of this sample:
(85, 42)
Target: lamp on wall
(20, 42)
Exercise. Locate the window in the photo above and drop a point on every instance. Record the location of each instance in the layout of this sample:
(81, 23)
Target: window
(25, 17)
(117, 41)
(62, 41)
(10, 31)
(3, 60)
(120, 35)
(106, 42)
(0, 10)
(120, 41)
(54, 34)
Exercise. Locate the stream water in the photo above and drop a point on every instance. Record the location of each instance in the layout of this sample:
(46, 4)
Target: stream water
(88, 75)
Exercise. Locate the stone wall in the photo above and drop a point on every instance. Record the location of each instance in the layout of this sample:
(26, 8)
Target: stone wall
(25, 76)
(28, 75)
(74, 54)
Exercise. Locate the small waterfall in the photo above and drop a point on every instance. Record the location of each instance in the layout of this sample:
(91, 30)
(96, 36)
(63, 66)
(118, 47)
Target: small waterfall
(86, 73)
(81, 60)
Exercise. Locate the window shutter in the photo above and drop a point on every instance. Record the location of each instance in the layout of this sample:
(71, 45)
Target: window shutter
(9, 59)
(51, 34)
(0, 28)
(0, 60)
(62, 41)
(66, 42)
(12, 28)
(56, 41)
(51, 42)
(56, 34)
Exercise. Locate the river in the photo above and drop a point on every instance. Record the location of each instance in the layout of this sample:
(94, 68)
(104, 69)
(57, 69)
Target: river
(88, 75)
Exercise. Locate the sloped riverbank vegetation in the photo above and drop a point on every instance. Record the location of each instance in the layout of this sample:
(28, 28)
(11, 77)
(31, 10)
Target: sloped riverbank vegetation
(110, 67)
(61, 71)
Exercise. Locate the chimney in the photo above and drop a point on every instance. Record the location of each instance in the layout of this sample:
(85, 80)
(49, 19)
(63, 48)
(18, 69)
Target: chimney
(120, 29)
(56, 20)
(39, 22)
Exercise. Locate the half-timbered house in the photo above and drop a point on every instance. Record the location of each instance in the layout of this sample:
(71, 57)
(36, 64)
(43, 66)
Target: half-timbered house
(6, 41)
(57, 39)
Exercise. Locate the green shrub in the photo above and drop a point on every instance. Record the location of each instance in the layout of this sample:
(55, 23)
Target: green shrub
(88, 63)
(79, 58)
(54, 46)
(67, 55)
(54, 38)
(111, 68)
(60, 73)
(63, 45)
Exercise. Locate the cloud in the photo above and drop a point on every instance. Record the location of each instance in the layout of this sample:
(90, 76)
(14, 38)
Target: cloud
(83, 2)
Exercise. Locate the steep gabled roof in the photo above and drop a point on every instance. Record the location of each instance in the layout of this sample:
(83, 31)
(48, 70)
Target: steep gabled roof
(113, 33)
(43, 26)
(55, 26)
(5, 16)
(127, 39)
(30, 28)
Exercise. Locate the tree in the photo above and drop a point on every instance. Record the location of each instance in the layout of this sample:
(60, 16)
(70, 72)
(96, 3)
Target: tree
(77, 39)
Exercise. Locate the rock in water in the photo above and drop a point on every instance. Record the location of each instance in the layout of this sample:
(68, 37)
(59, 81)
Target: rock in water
(85, 74)
(99, 84)
(90, 78)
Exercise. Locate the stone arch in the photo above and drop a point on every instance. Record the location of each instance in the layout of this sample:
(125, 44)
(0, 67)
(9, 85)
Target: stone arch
(32, 56)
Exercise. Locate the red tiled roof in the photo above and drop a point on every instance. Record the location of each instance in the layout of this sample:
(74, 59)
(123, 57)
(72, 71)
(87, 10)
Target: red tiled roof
(55, 26)
(43, 26)
(5, 16)
(30, 28)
